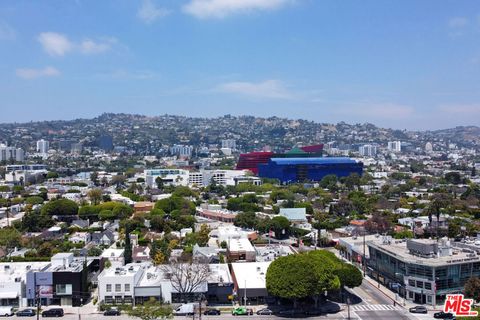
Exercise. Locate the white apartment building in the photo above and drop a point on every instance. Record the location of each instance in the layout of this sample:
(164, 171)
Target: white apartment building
(201, 178)
(43, 146)
(395, 146)
(229, 143)
(181, 150)
(11, 153)
(368, 150)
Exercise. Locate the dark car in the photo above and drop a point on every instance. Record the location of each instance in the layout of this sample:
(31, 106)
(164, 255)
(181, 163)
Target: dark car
(112, 312)
(212, 312)
(26, 313)
(53, 313)
(418, 309)
(443, 315)
(265, 312)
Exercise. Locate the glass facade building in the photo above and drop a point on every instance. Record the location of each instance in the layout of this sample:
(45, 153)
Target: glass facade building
(422, 279)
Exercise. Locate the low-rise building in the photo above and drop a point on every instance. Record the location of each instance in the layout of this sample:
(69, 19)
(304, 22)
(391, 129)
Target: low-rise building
(422, 270)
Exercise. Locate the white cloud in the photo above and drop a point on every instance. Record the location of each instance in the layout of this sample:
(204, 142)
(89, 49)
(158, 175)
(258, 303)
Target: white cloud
(89, 46)
(272, 89)
(6, 31)
(28, 73)
(457, 22)
(55, 44)
(149, 12)
(204, 9)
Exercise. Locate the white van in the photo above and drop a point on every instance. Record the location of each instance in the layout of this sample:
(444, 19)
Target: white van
(6, 311)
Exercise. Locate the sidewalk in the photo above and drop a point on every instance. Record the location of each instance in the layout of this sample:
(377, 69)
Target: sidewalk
(396, 298)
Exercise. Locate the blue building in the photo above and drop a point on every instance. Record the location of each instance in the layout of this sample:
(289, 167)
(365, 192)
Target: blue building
(289, 170)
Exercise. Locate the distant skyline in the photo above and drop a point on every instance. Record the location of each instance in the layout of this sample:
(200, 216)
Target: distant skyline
(402, 64)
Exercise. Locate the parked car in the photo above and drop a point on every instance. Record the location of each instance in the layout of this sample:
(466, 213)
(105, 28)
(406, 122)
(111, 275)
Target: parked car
(112, 312)
(53, 313)
(26, 313)
(264, 312)
(418, 309)
(242, 311)
(6, 311)
(212, 312)
(187, 309)
(443, 315)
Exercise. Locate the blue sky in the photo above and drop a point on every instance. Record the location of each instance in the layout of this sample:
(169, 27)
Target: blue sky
(402, 64)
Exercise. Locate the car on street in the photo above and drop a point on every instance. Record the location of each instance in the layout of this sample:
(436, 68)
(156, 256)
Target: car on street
(418, 309)
(53, 313)
(212, 312)
(444, 315)
(265, 312)
(26, 313)
(112, 312)
(242, 311)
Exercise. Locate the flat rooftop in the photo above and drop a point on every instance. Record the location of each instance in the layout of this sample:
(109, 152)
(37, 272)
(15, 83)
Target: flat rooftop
(251, 274)
(272, 252)
(128, 270)
(240, 245)
(9, 271)
(398, 249)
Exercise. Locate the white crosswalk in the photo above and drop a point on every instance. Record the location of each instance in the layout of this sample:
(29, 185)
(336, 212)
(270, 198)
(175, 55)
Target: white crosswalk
(375, 307)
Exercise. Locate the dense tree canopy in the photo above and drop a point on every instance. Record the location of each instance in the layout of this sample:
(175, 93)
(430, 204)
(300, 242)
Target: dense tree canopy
(60, 207)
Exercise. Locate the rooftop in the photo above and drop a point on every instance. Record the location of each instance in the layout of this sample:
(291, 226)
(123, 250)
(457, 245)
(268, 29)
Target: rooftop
(398, 249)
(319, 160)
(243, 244)
(250, 274)
(12, 271)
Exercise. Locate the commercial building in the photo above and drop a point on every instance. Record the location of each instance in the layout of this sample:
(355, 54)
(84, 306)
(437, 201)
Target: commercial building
(105, 142)
(13, 279)
(250, 282)
(139, 282)
(423, 271)
(201, 178)
(168, 176)
(289, 170)
(24, 173)
(251, 161)
(62, 282)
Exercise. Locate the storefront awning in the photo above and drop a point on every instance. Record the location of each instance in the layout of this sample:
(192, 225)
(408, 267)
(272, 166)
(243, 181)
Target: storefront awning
(8, 295)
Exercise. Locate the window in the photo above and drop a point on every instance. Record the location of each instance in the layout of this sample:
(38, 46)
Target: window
(118, 287)
(109, 288)
(411, 282)
(419, 284)
(108, 299)
(127, 287)
(428, 285)
(63, 289)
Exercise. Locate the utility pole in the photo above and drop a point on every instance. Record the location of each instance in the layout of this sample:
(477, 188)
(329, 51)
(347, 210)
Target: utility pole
(348, 308)
(37, 300)
(364, 258)
(245, 294)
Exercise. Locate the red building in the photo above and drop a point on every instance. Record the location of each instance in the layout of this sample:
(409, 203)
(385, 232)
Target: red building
(250, 161)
